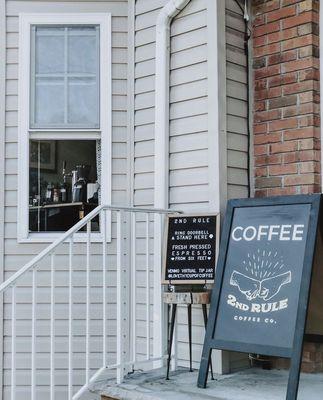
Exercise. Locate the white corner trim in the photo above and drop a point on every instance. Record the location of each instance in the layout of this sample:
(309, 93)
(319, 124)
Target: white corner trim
(26, 20)
(167, 13)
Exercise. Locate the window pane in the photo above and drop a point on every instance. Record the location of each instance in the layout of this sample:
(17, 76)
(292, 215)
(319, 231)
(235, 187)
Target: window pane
(49, 101)
(82, 101)
(63, 183)
(49, 50)
(82, 50)
(65, 77)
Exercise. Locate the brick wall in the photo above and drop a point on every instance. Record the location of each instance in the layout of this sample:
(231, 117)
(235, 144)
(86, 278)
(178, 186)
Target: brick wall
(286, 110)
(286, 97)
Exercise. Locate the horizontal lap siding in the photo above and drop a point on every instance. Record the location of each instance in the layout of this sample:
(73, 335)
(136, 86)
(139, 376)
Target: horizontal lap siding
(16, 255)
(188, 146)
(237, 97)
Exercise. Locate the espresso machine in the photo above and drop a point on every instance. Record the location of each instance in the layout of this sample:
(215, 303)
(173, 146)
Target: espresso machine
(80, 178)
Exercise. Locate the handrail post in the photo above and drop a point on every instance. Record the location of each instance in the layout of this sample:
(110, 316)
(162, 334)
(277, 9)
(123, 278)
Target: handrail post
(13, 343)
(120, 332)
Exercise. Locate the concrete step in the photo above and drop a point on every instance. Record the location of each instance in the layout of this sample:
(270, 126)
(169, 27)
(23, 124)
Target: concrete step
(245, 385)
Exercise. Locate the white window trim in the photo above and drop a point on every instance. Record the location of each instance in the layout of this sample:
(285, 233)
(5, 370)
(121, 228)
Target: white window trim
(25, 133)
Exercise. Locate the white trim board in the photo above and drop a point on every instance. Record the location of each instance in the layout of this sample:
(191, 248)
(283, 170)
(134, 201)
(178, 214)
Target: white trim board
(26, 20)
(2, 166)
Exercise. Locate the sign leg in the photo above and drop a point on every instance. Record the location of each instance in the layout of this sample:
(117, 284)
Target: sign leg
(189, 317)
(294, 373)
(170, 338)
(205, 324)
(204, 366)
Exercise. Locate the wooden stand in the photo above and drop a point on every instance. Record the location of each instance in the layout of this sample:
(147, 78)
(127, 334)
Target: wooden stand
(188, 298)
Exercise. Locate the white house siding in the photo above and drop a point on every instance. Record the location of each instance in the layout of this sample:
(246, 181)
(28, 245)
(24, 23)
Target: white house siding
(16, 255)
(189, 173)
(237, 100)
(188, 145)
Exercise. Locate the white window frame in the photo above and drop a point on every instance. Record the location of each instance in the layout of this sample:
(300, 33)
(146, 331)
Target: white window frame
(104, 132)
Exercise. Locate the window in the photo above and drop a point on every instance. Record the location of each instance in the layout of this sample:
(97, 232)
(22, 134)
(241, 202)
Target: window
(64, 122)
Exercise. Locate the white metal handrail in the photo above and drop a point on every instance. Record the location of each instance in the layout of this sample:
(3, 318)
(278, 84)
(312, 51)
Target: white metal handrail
(27, 267)
(124, 358)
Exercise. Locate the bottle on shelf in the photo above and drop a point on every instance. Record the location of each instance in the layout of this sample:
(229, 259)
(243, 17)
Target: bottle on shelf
(49, 193)
(55, 195)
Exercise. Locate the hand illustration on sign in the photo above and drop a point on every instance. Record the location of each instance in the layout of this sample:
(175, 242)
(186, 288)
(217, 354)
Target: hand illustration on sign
(264, 275)
(265, 289)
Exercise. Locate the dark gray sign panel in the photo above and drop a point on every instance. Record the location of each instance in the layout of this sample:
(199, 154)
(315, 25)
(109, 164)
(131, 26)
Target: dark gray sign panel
(261, 292)
(191, 248)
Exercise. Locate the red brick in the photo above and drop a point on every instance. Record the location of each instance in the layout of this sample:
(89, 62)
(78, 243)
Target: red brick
(308, 144)
(308, 155)
(267, 6)
(268, 138)
(263, 116)
(281, 35)
(298, 20)
(282, 57)
(261, 193)
(270, 159)
(299, 133)
(282, 124)
(310, 166)
(267, 71)
(309, 74)
(268, 182)
(298, 87)
(290, 157)
(259, 41)
(296, 65)
(282, 191)
(260, 171)
(268, 93)
(283, 101)
(283, 169)
(306, 5)
(259, 128)
(259, 20)
(260, 149)
(265, 50)
(259, 106)
(302, 179)
(260, 84)
(306, 97)
(281, 13)
(283, 147)
(297, 42)
(282, 79)
(294, 111)
(267, 28)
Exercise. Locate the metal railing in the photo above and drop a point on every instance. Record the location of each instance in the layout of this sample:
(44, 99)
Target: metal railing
(136, 241)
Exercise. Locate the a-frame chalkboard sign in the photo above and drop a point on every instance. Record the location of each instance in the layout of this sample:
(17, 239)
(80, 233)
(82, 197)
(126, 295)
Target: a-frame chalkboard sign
(260, 298)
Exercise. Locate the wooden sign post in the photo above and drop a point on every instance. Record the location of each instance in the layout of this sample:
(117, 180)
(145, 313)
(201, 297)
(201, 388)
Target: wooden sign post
(260, 297)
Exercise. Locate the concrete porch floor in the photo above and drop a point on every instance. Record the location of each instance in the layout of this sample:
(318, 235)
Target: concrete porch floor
(245, 385)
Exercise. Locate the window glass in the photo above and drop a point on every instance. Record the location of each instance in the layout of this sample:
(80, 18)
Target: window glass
(65, 77)
(63, 183)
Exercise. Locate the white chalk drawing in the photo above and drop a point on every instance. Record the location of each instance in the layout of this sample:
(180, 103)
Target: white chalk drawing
(264, 276)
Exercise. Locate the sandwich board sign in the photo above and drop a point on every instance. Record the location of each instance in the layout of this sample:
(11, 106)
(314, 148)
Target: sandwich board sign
(191, 248)
(260, 297)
